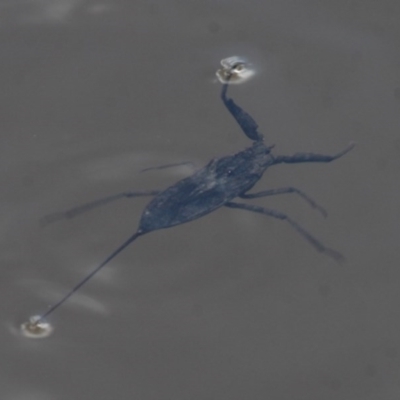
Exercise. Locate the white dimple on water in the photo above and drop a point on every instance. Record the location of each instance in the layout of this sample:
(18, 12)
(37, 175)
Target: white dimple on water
(235, 70)
(36, 330)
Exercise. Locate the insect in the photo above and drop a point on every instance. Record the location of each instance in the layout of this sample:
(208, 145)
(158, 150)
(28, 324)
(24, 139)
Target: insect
(216, 185)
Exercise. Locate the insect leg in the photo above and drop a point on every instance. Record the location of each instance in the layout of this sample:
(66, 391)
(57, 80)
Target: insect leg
(279, 215)
(73, 212)
(245, 121)
(311, 157)
(290, 189)
(189, 163)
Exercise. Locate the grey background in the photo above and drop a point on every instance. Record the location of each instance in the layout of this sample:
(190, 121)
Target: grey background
(232, 306)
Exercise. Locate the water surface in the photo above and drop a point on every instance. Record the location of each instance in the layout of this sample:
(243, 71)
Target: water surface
(232, 306)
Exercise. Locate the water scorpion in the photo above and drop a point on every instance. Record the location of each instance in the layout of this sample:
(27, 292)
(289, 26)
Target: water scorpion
(216, 185)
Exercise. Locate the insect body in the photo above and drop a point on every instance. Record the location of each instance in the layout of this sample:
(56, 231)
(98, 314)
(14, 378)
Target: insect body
(212, 187)
(216, 185)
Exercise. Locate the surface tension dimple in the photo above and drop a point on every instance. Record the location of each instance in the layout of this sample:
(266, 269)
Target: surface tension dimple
(235, 70)
(35, 328)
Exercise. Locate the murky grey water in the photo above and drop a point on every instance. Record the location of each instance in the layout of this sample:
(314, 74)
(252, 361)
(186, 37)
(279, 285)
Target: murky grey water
(232, 306)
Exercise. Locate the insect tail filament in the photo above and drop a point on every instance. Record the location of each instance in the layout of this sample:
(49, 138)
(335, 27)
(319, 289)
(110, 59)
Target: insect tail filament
(88, 277)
